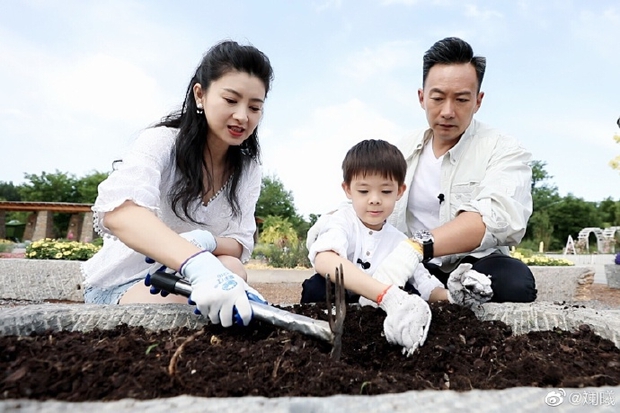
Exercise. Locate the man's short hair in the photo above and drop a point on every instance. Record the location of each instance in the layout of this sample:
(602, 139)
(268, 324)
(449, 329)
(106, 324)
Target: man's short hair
(452, 50)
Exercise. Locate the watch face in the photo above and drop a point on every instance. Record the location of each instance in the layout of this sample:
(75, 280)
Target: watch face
(424, 236)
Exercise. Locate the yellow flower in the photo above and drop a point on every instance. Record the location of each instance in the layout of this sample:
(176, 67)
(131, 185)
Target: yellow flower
(58, 255)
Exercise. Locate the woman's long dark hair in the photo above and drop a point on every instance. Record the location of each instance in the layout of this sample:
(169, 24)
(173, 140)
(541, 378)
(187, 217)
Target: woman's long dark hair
(191, 139)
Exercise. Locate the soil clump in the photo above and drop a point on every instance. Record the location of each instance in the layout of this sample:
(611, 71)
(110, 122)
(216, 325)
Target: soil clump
(461, 353)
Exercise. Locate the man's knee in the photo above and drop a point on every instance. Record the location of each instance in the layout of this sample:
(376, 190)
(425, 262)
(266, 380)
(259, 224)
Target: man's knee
(511, 279)
(313, 291)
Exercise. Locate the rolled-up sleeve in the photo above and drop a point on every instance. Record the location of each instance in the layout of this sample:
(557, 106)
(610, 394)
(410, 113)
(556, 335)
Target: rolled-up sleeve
(138, 176)
(333, 237)
(503, 198)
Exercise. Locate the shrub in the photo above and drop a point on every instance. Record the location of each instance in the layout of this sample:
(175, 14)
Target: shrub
(278, 231)
(287, 256)
(50, 249)
(6, 245)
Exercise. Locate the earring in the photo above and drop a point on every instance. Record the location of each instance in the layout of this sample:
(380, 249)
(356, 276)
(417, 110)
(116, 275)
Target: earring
(199, 109)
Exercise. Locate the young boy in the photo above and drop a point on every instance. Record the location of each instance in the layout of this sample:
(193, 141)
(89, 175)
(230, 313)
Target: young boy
(373, 179)
(359, 238)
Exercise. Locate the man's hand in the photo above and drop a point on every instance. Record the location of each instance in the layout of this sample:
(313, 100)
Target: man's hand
(408, 319)
(468, 288)
(217, 291)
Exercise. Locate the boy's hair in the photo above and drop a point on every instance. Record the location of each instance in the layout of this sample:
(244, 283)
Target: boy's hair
(374, 156)
(450, 51)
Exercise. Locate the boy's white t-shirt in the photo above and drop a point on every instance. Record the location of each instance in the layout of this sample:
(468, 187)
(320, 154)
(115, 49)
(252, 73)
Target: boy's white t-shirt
(346, 235)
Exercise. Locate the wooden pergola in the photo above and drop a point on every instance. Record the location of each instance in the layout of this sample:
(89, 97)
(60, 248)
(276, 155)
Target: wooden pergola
(39, 224)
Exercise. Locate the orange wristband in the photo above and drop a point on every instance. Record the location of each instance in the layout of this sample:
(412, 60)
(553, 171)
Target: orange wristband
(380, 296)
(416, 246)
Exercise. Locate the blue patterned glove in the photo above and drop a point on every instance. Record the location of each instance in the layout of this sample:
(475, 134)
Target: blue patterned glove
(216, 291)
(201, 238)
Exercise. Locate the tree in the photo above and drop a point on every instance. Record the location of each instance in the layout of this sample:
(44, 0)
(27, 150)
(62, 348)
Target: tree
(609, 210)
(571, 215)
(542, 228)
(50, 187)
(276, 201)
(61, 187)
(87, 186)
(543, 192)
(539, 227)
(9, 192)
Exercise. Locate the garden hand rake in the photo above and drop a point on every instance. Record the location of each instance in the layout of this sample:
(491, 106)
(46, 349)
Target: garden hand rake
(327, 331)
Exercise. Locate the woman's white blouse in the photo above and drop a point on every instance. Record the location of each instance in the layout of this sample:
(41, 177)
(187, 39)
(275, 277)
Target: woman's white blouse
(145, 176)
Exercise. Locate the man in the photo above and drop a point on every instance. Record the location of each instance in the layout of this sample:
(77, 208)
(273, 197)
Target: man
(468, 195)
(468, 192)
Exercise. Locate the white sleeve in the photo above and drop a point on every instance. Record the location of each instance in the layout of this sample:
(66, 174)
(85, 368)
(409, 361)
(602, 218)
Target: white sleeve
(334, 236)
(138, 176)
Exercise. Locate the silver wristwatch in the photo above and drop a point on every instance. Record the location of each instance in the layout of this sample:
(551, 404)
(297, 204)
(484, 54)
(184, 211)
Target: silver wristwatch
(425, 238)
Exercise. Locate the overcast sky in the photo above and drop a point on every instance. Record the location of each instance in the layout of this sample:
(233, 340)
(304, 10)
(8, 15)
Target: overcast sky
(80, 79)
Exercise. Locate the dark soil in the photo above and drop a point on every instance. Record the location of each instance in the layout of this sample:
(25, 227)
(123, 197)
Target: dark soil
(461, 353)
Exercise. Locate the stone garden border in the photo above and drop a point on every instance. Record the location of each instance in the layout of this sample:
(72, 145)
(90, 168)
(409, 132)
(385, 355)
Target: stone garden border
(522, 317)
(60, 280)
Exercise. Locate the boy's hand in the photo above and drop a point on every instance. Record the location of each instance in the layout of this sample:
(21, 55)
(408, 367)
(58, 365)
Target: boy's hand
(408, 319)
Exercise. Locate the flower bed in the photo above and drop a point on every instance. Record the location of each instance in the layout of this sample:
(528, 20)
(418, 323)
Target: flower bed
(50, 249)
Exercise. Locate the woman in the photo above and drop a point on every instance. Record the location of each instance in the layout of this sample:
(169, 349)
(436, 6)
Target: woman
(185, 193)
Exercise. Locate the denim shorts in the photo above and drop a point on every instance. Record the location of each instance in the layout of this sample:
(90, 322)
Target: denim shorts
(112, 295)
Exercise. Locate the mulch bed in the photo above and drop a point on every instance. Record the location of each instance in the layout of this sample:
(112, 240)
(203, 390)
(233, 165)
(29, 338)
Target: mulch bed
(461, 353)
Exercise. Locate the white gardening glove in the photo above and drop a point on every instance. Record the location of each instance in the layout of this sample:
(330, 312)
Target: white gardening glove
(408, 319)
(217, 291)
(201, 238)
(468, 288)
(398, 267)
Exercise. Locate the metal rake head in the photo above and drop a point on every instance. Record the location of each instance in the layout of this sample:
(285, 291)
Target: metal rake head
(336, 324)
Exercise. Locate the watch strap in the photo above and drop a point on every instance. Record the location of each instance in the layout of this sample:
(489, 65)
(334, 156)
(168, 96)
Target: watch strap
(428, 251)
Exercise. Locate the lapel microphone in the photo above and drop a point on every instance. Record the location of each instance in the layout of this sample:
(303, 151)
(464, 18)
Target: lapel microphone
(441, 198)
(365, 265)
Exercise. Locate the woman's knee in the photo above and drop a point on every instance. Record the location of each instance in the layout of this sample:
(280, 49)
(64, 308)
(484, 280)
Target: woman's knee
(235, 265)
